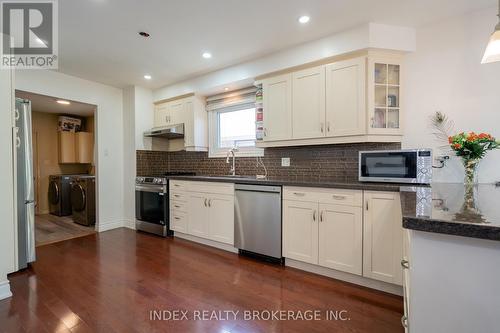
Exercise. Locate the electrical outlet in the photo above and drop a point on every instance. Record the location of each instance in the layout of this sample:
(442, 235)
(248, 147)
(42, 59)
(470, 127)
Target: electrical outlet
(285, 161)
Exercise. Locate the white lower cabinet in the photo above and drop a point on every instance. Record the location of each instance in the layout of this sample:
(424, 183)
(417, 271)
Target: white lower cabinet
(325, 234)
(300, 231)
(221, 218)
(198, 215)
(341, 238)
(204, 210)
(383, 237)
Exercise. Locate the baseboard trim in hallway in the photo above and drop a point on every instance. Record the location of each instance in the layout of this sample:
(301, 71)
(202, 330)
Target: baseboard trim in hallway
(5, 290)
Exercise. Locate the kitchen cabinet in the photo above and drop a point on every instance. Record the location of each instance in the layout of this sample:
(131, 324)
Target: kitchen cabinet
(221, 218)
(198, 218)
(278, 101)
(203, 209)
(347, 100)
(383, 237)
(345, 97)
(341, 238)
(76, 148)
(189, 111)
(308, 103)
(384, 95)
(300, 231)
(324, 227)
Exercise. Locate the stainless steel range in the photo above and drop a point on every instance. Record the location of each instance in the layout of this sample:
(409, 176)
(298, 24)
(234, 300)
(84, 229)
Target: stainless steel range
(151, 204)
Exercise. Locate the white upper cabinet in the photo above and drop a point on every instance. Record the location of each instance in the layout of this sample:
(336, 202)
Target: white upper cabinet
(345, 97)
(384, 95)
(352, 100)
(278, 100)
(341, 238)
(189, 111)
(308, 105)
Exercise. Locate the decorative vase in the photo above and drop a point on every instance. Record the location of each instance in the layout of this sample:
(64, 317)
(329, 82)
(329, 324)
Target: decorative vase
(470, 171)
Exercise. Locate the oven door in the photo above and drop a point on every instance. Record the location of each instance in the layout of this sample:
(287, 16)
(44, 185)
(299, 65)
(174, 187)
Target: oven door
(151, 204)
(394, 167)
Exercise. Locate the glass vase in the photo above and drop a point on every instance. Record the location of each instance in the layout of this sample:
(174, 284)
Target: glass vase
(470, 171)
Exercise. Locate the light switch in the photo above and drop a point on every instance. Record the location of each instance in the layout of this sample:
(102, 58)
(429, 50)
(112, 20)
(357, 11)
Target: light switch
(285, 161)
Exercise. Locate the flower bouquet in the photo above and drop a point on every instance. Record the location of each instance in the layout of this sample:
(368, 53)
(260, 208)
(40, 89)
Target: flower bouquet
(471, 148)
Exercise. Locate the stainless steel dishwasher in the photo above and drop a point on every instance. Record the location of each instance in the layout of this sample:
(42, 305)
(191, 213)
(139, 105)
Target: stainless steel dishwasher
(257, 212)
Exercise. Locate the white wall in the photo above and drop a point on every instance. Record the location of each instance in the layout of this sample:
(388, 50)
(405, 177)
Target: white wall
(365, 36)
(445, 74)
(111, 140)
(144, 117)
(7, 232)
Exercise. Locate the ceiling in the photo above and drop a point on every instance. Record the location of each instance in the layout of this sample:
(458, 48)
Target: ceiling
(47, 104)
(99, 41)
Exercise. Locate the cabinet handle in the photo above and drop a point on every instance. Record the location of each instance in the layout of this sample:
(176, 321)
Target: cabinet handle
(404, 321)
(299, 194)
(314, 216)
(205, 203)
(176, 206)
(209, 202)
(265, 131)
(176, 195)
(322, 127)
(339, 197)
(321, 216)
(405, 264)
(328, 126)
(176, 185)
(367, 205)
(177, 218)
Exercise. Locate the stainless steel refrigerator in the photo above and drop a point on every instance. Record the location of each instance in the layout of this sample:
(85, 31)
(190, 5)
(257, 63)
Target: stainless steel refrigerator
(25, 184)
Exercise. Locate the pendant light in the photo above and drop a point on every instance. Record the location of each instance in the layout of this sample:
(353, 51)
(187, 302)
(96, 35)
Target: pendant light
(492, 52)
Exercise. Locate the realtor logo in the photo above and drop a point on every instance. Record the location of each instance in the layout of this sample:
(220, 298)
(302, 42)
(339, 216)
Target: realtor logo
(29, 34)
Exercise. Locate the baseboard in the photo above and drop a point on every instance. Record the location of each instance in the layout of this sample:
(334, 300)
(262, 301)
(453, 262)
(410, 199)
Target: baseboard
(208, 242)
(5, 290)
(347, 277)
(110, 225)
(130, 224)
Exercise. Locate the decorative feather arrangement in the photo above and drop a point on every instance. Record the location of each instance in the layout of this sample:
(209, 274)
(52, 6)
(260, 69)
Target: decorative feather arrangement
(442, 127)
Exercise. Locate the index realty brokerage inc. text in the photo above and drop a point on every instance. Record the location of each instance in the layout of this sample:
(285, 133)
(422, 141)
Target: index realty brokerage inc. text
(247, 315)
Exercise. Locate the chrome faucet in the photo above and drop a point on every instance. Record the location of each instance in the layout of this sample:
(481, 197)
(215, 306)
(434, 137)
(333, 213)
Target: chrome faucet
(232, 152)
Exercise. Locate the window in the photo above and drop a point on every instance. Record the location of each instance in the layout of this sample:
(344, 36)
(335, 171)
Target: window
(233, 126)
(236, 128)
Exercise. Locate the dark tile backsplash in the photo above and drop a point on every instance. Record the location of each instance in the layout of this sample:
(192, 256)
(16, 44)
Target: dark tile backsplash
(337, 163)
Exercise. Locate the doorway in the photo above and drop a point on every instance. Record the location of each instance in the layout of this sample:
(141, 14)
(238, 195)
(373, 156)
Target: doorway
(64, 167)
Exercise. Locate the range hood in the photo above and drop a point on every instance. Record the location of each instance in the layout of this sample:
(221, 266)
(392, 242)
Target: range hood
(167, 132)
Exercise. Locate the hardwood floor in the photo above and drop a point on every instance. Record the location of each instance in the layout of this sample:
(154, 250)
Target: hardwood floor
(109, 282)
(51, 229)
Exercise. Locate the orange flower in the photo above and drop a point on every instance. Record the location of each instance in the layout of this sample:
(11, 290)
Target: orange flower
(450, 139)
(472, 137)
(457, 146)
(485, 136)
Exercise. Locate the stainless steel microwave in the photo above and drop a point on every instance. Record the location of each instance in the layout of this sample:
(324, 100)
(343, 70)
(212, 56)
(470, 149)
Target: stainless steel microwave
(396, 166)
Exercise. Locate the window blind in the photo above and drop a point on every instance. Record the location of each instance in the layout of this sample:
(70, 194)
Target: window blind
(232, 99)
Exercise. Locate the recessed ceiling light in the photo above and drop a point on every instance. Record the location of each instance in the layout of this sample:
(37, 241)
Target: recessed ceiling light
(147, 77)
(207, 55)
(226, 89)
(304, 19)
(61, 101)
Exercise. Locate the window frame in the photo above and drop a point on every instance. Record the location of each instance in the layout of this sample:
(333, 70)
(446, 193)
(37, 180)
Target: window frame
(214, 151)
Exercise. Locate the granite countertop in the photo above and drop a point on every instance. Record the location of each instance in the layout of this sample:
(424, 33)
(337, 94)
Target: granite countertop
(304, 182)
(454, 209)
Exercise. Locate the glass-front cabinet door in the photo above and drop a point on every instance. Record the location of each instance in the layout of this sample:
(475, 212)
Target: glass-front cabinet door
(384, 91)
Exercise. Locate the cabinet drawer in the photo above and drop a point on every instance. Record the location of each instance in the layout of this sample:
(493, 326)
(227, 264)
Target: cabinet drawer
(178, 206)
(323, 195)
(178, 221)
(178, 185)
(211, 187)
(178, 196)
